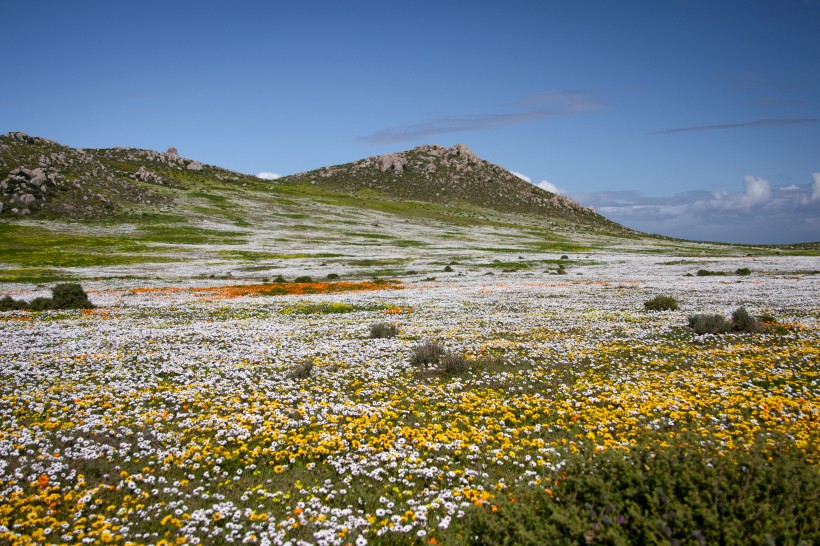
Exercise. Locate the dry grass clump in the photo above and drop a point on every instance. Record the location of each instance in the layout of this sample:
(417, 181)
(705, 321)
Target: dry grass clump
(383, 330)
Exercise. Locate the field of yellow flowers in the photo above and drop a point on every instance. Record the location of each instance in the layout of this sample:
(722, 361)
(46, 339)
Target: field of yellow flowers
(174, 416)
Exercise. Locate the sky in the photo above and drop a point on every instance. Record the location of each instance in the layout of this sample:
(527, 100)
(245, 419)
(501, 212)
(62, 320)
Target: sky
(687, 118)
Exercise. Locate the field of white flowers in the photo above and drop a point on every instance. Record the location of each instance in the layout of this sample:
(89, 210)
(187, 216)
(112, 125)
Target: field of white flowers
(190, 414)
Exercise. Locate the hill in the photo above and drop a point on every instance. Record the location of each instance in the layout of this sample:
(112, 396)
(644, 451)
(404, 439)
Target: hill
(73, 214)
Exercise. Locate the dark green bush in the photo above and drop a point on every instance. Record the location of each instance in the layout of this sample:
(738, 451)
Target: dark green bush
(380, 330)
(709, 324)
(7, 303)
(742, 321)
(69, 296)
(448, 269)
(63, 296)
(303, 278)
(743, 271)
(689, 492)
(707, 273)
(332, 276)
(427, 354)
(280, 279)
(661, 303)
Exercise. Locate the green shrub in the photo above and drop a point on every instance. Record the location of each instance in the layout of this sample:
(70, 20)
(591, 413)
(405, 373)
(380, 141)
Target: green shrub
(40, 304)
(427, 354)
(69, 296)
(280, 279)
(707, 273)
(709, 324)
(743, 271)
(689, 492)
(742, 321)
(7, 303)
(453, 363)
(332, 276)
(448, 269)
(303, 279)
(381, 330)
(661, 303)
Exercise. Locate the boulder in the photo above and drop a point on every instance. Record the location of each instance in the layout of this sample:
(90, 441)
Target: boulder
(27, 199)
(462, 150)
(172, 154)
(194, 166)
(390, 162)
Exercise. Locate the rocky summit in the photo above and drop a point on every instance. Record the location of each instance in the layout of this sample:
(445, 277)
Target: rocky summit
(445, 175)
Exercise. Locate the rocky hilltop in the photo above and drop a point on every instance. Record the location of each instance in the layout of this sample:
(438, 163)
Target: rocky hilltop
(444, 175)
(41, 177)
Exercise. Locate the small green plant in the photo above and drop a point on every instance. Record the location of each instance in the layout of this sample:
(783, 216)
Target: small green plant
(426, 355)
(302, 370)
(332, 276)
(303, 279)
(7, 303)
(743, 271)
(661, 303)
(709, 324)
(280, 279)
(707, 273)
(382, 330)
(448, 269)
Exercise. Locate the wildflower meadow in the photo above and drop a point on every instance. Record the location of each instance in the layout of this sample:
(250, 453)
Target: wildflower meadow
(228, 412)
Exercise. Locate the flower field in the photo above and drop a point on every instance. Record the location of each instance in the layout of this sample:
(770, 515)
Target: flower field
(173, 416)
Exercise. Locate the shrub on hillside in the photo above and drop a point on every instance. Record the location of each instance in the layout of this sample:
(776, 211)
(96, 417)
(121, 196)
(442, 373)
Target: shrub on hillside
(661, 303)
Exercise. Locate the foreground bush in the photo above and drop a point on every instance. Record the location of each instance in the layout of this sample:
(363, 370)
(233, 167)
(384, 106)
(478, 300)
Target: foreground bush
(63, 296)
(686, 493)
(742, 321)
(661, 303)
(453, 363)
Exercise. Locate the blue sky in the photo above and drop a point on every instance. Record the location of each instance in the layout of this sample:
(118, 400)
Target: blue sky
(696, 119)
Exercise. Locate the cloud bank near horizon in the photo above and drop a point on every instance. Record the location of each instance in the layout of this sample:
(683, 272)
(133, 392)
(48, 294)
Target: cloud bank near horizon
(759, 214)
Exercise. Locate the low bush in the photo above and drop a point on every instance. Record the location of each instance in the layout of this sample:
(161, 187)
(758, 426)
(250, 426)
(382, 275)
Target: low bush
(448, 269)
(743, 271)
(303, 279)
(427, 354)
(382, 330)
(69, 296)
(661, 303)
(742, 321)
(332, 276)
(453, 363)
(63, 296)
(709, 324)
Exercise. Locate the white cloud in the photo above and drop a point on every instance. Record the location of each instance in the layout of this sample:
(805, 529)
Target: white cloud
(523, 177)
(549, 186)
(755, 215)
(265, 175)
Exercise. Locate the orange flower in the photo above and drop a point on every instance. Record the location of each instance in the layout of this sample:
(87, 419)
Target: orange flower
(42, 481)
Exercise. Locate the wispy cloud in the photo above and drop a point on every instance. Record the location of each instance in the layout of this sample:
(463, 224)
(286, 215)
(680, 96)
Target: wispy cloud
(742, 125)
(540, 106)
(757, 214)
